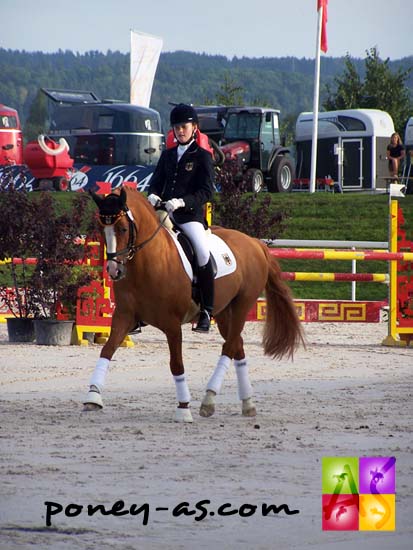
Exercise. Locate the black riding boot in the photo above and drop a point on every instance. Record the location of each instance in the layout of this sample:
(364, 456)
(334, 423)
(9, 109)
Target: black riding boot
(206, 287)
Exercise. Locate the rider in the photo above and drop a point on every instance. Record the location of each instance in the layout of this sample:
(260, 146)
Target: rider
(184, 179)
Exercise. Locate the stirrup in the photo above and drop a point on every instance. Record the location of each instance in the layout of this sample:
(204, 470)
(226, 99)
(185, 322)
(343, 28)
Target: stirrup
(204, 322)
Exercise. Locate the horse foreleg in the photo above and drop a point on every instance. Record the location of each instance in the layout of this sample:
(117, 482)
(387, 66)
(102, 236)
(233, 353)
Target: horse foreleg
(183, 396)
(120, 327)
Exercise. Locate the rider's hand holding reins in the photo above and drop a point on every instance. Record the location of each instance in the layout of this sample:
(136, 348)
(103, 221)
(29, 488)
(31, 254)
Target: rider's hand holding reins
(154, 200)
(174, 204)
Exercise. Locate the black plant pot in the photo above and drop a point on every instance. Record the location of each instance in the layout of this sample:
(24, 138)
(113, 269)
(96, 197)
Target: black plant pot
(20, 329)
(51, 332)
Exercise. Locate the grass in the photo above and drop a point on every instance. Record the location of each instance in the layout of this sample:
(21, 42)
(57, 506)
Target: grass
(322, 216)
(328, 216)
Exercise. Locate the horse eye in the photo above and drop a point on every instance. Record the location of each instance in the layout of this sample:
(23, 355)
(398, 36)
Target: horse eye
(123, 229)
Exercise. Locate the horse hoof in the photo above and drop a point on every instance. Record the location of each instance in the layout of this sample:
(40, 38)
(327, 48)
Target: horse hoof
(183, 415)
(93, 401)
(208, 405)
(206, 410)
(87, 407)
(248, 408)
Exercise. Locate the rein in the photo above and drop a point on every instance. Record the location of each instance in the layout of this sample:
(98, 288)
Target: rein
(131, 248)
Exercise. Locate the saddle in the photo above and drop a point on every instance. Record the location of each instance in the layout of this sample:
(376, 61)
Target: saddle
(188, 250)
(222, 258)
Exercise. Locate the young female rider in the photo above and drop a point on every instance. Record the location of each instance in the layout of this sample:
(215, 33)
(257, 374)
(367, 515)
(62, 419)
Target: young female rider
(184, 179)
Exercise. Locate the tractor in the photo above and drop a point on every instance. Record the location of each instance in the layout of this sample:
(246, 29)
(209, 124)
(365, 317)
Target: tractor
(251, 138)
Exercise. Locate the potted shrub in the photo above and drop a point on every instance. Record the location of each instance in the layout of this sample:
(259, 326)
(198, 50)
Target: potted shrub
(59, 272)
(17, 241)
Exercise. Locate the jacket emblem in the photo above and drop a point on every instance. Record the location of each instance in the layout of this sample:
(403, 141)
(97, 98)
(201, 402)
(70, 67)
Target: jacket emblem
(189, 166)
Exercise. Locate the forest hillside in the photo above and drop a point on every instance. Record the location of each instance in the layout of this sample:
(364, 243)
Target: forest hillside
(285, 83)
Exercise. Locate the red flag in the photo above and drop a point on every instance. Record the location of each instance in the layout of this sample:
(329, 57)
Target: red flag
(323, 4)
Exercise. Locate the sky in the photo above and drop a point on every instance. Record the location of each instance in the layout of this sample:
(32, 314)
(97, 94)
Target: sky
(250, 28)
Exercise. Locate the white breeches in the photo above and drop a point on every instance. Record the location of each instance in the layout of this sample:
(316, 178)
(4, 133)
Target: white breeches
(196, 233)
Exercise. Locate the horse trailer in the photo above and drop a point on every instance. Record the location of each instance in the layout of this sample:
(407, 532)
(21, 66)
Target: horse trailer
(110, 141)
(408, 162)
(351, 148)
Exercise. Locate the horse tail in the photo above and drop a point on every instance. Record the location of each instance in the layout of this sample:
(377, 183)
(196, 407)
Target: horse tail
(282, 331)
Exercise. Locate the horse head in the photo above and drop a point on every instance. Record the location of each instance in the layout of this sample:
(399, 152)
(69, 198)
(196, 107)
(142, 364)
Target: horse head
(119, 229)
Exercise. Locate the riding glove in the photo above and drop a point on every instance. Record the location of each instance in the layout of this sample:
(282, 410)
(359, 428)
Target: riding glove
(173, 204)
(154, 200)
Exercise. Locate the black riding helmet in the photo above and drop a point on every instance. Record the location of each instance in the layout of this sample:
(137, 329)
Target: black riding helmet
(183, 113)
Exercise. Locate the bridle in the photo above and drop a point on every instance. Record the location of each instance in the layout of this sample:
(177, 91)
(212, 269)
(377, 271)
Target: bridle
(131, 248)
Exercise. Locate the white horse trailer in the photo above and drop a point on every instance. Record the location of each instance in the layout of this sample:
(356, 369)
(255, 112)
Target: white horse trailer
(351, 147)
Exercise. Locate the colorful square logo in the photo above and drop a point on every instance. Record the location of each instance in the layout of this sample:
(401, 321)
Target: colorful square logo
(358, 494)
(379, 513)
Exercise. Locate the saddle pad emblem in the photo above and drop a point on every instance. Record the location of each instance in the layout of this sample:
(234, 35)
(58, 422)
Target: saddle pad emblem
(226, 259)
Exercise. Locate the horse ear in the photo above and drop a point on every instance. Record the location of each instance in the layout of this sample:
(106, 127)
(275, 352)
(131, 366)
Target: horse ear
(122, 196)
(97, 198)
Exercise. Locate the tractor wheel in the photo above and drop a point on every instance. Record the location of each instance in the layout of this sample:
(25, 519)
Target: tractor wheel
(255, 180)
(61, 184)
(282, 176)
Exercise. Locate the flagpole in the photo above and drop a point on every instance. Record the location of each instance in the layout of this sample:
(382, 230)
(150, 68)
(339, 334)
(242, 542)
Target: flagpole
(315, 102)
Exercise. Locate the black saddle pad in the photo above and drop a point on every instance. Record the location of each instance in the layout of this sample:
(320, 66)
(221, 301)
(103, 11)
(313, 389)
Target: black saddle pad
(190, 253)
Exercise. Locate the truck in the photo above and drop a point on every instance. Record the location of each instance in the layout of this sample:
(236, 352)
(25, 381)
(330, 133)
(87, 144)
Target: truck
(250, 137)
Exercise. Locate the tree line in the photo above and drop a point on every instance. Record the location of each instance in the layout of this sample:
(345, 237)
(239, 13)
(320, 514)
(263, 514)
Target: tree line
(283, 83)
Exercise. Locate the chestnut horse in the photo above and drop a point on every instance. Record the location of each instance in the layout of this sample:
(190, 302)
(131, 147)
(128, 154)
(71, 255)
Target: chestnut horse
(152, 286)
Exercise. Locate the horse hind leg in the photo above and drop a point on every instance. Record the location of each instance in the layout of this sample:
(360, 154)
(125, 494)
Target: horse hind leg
(230, 325)
(234, 346)
(214, 386)
(215, 382)
(244, 388)
(207, 407)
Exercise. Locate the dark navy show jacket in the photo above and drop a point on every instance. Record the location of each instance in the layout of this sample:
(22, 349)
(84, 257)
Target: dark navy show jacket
(190, 179)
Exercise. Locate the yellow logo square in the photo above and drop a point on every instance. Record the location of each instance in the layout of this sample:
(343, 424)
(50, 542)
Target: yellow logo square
(377, 512)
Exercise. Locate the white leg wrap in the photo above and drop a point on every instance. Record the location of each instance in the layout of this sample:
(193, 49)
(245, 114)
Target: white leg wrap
(99, 374)
(217, 378)
(244, 386)
(182, 390)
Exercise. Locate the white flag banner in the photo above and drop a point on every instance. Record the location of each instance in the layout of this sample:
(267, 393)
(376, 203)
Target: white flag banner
(144, 56)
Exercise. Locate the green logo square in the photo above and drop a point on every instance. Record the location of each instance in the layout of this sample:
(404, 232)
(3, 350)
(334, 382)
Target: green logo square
(340, 475)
